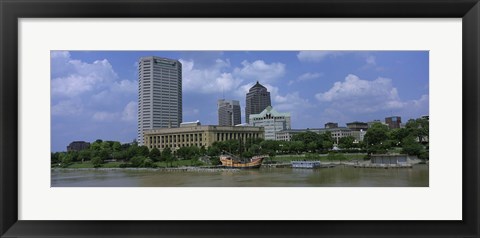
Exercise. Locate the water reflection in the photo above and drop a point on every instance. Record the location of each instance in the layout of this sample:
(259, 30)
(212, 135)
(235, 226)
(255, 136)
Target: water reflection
(340, 176)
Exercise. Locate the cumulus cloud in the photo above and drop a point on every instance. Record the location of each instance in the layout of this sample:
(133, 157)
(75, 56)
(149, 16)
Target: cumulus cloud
(221, 78)
(306, 77)
(71, 78)
(260, 71)
(67, 108)
(317, 56)
(104, 116)
(130, 112)
(207, 80)
(355, 95)
(291, 102)
(92, 89)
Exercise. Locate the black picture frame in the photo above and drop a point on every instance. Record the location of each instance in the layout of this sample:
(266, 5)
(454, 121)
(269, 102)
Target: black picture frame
(12, 10)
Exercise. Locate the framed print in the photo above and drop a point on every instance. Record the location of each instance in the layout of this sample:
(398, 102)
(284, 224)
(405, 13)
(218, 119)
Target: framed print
(269, 118)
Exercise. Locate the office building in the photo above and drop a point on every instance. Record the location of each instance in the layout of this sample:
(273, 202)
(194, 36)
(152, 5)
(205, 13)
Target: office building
(272, 121)
(159, 94)
(393, 122)
(78, 146)
(331, 125)
(337, 133)
(189, 134)
(358, 126)
(257, 99)
(229, 112)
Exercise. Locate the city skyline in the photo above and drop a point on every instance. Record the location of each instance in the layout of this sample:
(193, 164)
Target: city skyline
(94, 93)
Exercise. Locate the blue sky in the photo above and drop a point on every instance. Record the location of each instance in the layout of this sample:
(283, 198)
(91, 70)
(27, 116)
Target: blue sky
(94, 93)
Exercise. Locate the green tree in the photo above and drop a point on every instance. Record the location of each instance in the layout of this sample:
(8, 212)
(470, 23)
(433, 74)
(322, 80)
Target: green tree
(84, 155)
(297, 147)
(213, 151)
(418, 128)
(97, 161)
(137, 161)
(346, 142)
(376, 138)
(411, 147)
(55, 158)
(116, 146)
(167, 155)
(154, 154)
(142, 151)
(203, 151)
(312, 146)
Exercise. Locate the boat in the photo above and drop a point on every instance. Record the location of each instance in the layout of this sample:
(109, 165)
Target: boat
(302, 164)
(231, 161)
(305, 164)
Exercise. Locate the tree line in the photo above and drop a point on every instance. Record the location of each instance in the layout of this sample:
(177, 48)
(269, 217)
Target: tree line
(412, 140)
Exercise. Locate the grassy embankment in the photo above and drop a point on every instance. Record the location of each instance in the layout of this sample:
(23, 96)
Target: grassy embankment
(88, 164)
(277, 159)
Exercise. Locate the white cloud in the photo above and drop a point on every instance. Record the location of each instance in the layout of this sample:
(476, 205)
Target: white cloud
(130, 112)
(67, 108)
(260, 71)
(317, 56)
(125, 86)
(104, 116)
(291, 102)
(71, 78)
(306, 77)
(220, 78)
(355, 95)
(207, 80)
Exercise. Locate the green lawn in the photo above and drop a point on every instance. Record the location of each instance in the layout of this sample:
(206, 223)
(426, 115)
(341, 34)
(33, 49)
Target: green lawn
(80, 165)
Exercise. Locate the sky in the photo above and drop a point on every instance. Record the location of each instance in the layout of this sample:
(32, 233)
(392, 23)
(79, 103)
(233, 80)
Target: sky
(94, 93)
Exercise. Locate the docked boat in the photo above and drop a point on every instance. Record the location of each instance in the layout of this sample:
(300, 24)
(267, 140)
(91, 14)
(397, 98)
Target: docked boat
(310, 164)
(305, 164)
(231, 161)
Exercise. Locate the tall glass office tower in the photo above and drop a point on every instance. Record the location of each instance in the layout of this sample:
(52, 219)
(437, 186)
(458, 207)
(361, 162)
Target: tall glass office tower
(229, 112)
(258, 98)
(159, 94)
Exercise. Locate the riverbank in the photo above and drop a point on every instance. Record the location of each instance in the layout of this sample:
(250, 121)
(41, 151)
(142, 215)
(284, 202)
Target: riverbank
(164, 169)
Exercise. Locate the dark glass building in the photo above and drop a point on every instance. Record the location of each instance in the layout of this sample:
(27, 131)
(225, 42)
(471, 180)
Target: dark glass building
(258, 98)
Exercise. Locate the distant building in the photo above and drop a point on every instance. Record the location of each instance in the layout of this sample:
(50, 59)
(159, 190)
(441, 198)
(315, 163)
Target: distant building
(229, 112)
(190, 124)
(78, 145)
(257, 99)
(159, 94)
(337, 133)
(197, 135)
(272, 121)
(370, 123)
(393, 122)
(358, 126)
(331, 125)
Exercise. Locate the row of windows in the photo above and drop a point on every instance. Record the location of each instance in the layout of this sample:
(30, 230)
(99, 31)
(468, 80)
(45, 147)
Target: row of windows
(197, 137)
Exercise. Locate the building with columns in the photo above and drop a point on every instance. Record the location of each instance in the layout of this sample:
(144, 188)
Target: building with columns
(191, 134)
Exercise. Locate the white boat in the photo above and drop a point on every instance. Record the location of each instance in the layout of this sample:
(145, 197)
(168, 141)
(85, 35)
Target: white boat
(306, 164)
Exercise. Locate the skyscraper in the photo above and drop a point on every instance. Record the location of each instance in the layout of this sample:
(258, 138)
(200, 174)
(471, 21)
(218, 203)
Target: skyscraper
(229, 113)
(159, 94)
(258, 98)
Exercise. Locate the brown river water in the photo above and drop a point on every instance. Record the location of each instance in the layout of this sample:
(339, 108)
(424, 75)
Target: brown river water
(340, 176)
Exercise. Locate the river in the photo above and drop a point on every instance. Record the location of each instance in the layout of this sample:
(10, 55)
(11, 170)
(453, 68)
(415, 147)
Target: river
(340, 176)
